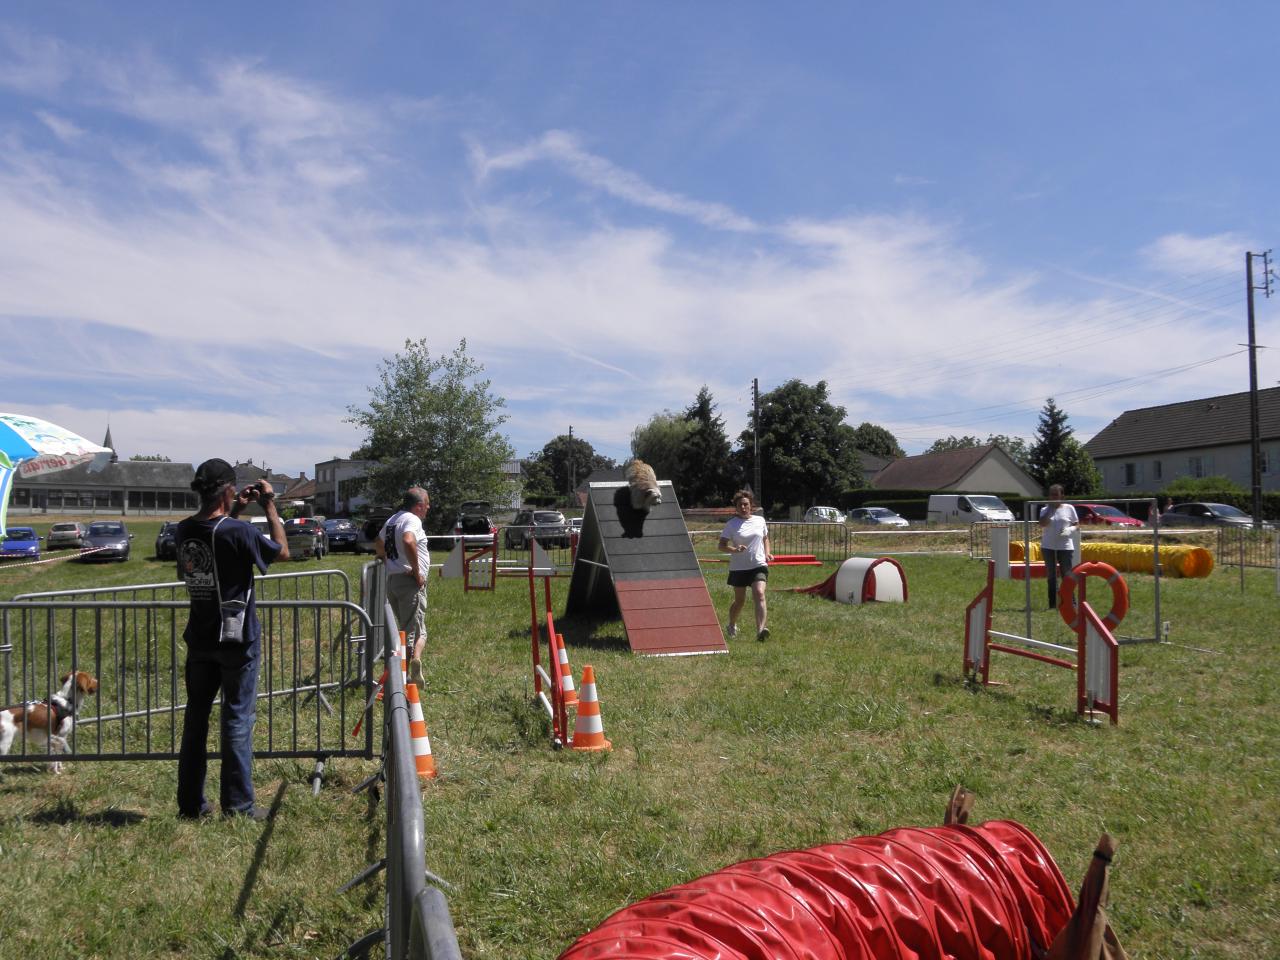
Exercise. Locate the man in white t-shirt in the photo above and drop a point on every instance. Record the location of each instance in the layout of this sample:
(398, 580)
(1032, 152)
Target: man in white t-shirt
(1059, 523)
(746, 539)
(402, 545)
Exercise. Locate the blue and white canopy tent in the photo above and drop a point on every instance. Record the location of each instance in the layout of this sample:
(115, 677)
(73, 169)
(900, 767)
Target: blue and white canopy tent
(30, 446)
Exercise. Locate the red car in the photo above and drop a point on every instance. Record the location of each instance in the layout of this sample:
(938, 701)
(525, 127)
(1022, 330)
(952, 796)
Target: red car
(1103, 515)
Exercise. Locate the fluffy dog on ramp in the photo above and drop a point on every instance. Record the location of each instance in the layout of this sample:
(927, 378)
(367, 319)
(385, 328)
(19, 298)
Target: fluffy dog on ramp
(644, 486)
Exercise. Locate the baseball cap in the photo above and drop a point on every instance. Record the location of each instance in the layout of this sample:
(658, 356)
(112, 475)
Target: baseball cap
(212, 474)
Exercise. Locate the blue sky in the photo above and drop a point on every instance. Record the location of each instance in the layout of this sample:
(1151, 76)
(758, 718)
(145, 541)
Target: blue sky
(218, 219)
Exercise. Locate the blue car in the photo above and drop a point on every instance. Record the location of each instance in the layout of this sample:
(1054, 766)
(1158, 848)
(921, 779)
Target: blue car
(20, 543)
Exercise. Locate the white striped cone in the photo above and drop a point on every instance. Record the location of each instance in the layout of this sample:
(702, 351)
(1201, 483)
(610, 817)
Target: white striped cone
(418, 732)
(404, 659)
(566, 674)
(588, 729)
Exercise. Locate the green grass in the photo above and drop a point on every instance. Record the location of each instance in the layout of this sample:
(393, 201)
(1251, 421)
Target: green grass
(852, 720)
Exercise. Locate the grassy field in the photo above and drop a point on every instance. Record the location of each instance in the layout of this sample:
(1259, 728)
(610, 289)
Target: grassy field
(851, 720)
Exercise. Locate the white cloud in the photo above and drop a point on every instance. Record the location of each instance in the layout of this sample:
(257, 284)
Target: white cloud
(1183, 254)
(60, 127)
(564, 150)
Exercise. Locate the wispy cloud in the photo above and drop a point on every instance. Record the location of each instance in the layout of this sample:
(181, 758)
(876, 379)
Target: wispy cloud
(1180, 253)
(564, 150)
(908, 180)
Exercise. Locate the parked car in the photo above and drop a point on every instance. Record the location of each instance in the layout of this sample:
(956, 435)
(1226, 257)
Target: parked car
(306, 538)
(474, 525)
(66, 533)
(548, 527)
(20, 543)
(967, 508)
(1206, 515)
(106, 540)
(823, 515)
(343, 535)
(1104, 514)
(166, 546)
(878, 517)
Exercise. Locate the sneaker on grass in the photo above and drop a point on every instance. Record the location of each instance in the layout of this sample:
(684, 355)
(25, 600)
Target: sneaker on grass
(763, 635)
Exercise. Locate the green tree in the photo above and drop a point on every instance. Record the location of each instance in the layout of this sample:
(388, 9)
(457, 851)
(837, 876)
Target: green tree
(1075, 470)
(709, 475)
(151, 458)
(947, 444)
(807, 452)
(1051, 433)
(1193, 487)
(877, 440)
(661, 444)
(431, 421)
(567, 461)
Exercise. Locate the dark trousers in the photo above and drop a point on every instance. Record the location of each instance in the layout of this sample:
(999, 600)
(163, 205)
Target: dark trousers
(233, 669)
(1056, 563)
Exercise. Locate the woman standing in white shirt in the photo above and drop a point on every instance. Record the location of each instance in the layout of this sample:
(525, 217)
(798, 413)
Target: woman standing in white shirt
(746, 539)
(1059, 523)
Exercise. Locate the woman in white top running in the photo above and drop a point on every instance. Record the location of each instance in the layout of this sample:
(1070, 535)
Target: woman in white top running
(746, 539)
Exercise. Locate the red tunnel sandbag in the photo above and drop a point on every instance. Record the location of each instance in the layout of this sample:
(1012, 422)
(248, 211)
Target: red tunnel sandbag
(987, 892)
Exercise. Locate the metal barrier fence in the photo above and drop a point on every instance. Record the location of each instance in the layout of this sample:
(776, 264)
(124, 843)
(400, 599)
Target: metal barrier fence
(836, 542)
(417, 924)
(313, 652)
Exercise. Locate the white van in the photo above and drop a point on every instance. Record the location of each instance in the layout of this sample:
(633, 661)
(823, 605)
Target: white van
(967, 508)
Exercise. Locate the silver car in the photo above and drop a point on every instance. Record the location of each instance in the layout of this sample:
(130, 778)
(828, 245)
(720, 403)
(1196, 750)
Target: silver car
(66, 533)
(877, 517)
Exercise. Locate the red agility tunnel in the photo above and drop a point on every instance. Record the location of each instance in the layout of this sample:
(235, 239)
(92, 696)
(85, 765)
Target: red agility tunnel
(990, 892)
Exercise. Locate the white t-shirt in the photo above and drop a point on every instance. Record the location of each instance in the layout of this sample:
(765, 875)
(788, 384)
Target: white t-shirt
(751, 532)
(1063, 523)
(392, 536)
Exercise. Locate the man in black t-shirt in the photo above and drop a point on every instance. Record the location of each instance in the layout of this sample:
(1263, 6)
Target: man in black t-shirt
(217, 555)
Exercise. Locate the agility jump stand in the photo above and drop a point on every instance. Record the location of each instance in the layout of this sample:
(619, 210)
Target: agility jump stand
(1096, 653)
(477, 568)
(551, 684)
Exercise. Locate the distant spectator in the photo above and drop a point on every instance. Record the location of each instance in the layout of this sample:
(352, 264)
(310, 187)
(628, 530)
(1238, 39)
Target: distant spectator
(1059, 522)
(1157, 510)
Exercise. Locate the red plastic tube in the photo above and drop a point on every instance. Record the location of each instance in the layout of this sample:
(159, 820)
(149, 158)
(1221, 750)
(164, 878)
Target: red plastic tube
(990, 892)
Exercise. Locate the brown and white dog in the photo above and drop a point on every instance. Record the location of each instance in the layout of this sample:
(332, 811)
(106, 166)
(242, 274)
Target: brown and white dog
(644, 485)
(46, 725)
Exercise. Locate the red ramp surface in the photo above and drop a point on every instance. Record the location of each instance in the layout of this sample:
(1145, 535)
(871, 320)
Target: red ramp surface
(641, 567)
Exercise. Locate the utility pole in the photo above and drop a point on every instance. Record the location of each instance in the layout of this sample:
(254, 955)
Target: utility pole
(573, 467)
(755, 438)
(1255, 431)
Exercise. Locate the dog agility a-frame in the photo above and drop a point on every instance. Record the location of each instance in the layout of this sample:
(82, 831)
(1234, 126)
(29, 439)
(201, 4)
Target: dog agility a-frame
(641, 565)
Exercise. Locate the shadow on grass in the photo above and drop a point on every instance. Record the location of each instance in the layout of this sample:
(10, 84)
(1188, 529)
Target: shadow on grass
(65, 811)
(1052, 715)
(260, 852)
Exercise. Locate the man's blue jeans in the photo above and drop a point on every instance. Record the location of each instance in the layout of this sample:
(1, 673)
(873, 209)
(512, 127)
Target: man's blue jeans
(233, 669)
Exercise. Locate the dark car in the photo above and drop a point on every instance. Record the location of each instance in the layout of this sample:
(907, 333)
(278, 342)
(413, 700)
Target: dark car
(106, 540)
(343, 535)
(474, 525)
(1206, 515)
(166, 547)
(306, 538)
(66, 533)
(548, 527)
(20, 543)
(1102, 514)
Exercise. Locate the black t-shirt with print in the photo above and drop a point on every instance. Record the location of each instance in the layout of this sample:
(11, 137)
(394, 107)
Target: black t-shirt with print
(239, 549)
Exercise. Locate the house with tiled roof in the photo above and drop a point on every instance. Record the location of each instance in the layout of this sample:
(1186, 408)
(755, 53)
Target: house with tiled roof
(985, 469)
(1143, 450)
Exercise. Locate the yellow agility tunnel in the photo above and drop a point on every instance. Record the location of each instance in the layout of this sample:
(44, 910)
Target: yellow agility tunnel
(1178, 560)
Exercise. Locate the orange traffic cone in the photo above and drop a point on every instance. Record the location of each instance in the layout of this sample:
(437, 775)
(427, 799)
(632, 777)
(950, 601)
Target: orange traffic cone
(566, 674)
(588, 729)
(418, 731)
(382, 682)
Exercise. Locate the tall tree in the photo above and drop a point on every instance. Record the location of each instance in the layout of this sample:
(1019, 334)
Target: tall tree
(1015, 447)
(661, 444)
(568, 461)
(708, 476)
(877, 440)
(432, 422)
(1075, 470)
(1051, 432)
(807, 452)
